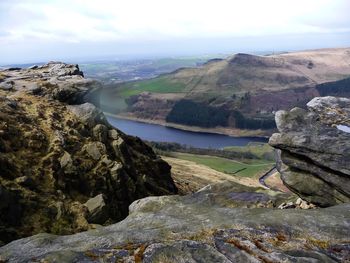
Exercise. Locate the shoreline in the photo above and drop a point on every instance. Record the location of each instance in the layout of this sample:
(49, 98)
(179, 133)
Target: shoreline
(220, 130)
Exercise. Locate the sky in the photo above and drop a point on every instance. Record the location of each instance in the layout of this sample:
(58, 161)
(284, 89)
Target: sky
(72, 30)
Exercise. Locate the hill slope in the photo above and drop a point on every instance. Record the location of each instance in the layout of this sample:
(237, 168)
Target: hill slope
(244, 90)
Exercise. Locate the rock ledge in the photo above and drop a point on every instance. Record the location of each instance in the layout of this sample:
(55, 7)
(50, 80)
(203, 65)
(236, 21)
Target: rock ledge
(315, 150)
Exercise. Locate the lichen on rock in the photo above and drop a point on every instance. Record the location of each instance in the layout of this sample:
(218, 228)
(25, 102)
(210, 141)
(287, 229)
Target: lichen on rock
(207, 226)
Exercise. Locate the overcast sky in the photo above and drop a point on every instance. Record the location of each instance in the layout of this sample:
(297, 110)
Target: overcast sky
(41, 30)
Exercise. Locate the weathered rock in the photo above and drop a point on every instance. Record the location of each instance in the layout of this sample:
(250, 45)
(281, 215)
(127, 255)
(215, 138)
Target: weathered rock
(288, 205)
(227, 194)
(208, 226)
(315, 152)
(6, 85)
(298, 204)
(113, 134)
(116, 170)
(55, 156)
(55, 80)
(95, 150)
(98, 211)
(66, 162)
(100, 132)
(183, 251)
(88, 114)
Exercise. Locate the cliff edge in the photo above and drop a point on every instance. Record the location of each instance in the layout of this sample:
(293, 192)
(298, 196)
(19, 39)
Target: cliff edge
(64, 168)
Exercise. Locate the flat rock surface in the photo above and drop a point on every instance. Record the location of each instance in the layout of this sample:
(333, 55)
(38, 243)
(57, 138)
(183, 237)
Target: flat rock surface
(207, 226)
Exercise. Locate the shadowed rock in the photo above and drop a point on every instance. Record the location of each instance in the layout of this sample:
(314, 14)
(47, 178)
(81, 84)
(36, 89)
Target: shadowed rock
(315, 153)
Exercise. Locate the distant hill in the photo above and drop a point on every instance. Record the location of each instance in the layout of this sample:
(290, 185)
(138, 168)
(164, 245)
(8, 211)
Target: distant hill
(242, 91)
(117, 71)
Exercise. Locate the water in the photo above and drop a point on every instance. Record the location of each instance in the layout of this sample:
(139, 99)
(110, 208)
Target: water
(159, 133)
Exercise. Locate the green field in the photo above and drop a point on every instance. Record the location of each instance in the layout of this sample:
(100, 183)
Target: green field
(157, 85)
(261, 150)
(237, 168)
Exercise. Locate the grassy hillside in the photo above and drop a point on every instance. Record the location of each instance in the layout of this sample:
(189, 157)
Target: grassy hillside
(233, 167)
(243, 161)
(261, 150)
(157, 85)
(243, 72)
(243, 91)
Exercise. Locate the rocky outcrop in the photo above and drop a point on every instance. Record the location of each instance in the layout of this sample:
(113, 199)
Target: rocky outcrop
(315, 150)
(55, 80)
(63, 166)
(212, 225)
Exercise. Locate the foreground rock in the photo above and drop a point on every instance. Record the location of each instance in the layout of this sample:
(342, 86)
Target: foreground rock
(212, 225)
(315, 150)
(63, 167)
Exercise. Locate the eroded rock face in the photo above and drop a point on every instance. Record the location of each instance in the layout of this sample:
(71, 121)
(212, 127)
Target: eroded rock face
(55, 80)
(315, 150)
(207, 226)
(55, 156)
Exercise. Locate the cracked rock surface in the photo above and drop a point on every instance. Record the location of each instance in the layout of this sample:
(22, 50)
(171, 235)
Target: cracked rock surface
(207, 226)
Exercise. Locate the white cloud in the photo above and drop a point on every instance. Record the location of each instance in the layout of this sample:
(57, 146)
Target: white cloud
(94, 21)
(106, 20)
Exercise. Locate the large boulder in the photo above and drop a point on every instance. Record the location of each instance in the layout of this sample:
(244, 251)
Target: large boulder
(55, 156)
(97, 209)
(314, 149)
(212, 225)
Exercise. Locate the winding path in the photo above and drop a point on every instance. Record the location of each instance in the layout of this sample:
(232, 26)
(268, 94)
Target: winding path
(267, 175)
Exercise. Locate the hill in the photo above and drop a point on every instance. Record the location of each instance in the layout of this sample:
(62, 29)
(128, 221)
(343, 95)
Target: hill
(116, 71)
(242, 91)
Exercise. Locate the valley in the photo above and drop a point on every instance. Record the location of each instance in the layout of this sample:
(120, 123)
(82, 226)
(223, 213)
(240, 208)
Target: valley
(123, 69)
(77, 189)
(174, 132)
(233, 93)
(237, 95)
(218, 157)
(242, 164)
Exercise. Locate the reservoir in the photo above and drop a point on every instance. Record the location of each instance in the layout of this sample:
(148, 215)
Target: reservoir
(159, 133)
